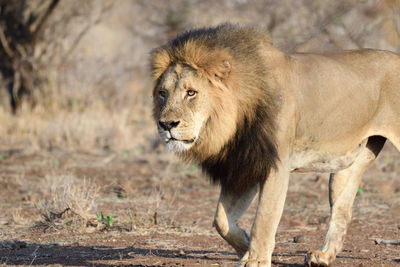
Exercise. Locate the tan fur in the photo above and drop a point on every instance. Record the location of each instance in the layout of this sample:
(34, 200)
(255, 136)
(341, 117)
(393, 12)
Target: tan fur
(259, 114)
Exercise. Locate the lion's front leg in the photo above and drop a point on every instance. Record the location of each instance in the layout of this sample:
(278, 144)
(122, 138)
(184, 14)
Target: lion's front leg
(229, 210)
(271, 201)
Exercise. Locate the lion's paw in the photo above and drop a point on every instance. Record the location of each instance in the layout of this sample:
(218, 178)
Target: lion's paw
(316, 259)
(245, 262)
(253, 263)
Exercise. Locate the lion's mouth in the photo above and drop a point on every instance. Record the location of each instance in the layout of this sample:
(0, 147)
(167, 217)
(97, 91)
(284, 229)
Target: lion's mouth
(188, 141)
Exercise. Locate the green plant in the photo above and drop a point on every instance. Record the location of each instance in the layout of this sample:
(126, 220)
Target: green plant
(125, 154)
(100, 217)
(360, 191)
(109, 218)
(56, 163)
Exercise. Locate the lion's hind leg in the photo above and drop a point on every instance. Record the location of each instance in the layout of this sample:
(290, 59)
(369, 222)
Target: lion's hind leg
(229, 210)
(343, 188)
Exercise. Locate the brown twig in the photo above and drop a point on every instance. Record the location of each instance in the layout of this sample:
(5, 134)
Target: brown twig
(4, 43)
(85, 30)
(43, 19)
(34, 255)
(155, 216)
(387, 242)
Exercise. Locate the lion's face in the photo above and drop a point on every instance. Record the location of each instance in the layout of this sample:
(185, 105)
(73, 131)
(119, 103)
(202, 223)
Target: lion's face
(182, 107)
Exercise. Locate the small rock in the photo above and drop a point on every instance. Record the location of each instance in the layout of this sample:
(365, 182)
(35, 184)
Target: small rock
(324, 219)
(296, 222)
(299, 239)
(21, 244)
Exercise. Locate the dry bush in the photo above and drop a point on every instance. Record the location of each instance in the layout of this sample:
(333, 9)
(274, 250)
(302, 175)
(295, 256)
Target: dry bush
(95, 128)
(68, 199)
(19, 219)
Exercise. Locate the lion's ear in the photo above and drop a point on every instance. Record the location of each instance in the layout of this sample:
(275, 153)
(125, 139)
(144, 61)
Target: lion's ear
(223, 70)
(160, 61)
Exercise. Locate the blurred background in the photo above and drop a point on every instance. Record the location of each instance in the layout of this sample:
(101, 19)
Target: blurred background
(74, 74)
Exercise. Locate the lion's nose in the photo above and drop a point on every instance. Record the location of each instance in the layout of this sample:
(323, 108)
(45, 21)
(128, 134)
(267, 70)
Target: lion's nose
(168, 125)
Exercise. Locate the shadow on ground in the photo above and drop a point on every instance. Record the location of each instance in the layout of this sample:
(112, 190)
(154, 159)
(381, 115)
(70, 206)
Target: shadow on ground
(26, 253)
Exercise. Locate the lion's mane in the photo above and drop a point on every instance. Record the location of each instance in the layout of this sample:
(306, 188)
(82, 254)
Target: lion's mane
(246, 157)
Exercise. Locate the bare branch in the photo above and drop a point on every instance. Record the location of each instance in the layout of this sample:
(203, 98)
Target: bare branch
(43, 19)
(86, 29)
(16, 82)
(4, 43)
(396, 18)
(390, 242)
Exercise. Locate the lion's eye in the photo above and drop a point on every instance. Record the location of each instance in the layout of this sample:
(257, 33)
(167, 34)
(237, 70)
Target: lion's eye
(191, 92)
(162, 93)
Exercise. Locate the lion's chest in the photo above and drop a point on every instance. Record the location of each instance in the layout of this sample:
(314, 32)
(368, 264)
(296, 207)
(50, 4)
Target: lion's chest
(313, 160)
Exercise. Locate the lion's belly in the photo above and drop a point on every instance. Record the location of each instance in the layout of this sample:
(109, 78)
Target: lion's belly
(312, 160)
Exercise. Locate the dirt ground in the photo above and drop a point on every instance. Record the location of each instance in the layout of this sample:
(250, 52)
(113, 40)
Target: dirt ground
(163, 212)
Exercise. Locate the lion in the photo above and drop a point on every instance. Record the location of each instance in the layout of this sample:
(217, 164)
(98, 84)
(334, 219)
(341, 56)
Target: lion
(249, 115)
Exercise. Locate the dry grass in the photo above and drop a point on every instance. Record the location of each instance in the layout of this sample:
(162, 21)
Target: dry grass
(19, 219)
(67, 195)
(93, 128)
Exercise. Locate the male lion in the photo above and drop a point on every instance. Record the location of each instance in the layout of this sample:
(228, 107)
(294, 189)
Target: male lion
(249, 115)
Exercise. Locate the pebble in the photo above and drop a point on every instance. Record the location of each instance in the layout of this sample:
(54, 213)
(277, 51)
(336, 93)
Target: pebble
(299, 239)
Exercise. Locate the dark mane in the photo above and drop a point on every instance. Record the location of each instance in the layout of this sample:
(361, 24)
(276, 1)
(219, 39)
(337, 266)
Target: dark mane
(247, 157)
